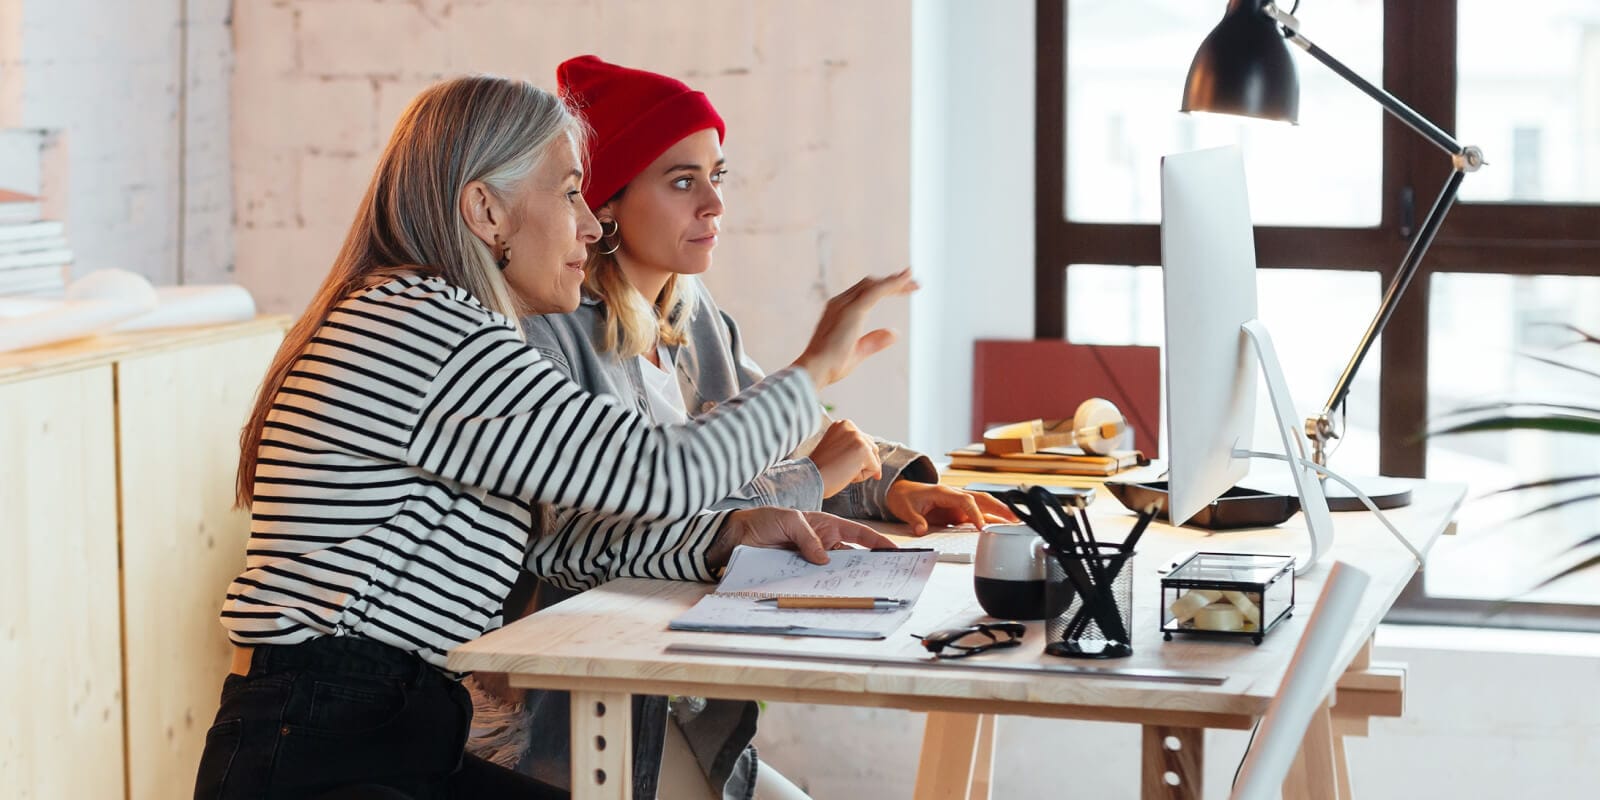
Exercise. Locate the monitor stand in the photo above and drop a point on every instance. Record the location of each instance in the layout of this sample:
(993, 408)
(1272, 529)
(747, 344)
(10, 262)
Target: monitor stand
(1313, 504)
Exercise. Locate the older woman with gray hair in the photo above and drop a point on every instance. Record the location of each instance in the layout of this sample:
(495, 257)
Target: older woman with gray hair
(405, 432)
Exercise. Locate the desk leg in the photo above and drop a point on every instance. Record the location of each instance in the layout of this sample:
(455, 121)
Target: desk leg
(1174, 763)
(602, 745)
(955, 746)
(1316, 771)
(983, 758)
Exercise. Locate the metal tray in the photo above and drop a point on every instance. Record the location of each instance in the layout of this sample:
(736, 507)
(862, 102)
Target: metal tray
(1239, 507)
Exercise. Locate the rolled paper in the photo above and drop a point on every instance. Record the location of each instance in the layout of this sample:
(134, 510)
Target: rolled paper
(183, 306)
(1247, 607)
(1184, 608)
(1219, 617)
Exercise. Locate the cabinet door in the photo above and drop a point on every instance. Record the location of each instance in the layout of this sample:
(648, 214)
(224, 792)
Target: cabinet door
(59, 636)
(179, 412)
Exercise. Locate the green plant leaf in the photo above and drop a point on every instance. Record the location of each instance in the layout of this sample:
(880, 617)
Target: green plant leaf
(1583, 336)
(1581, 565)
(1546, 483)
(1562, 503)
(1558, 423)
(1509, 405)
(1562, 365)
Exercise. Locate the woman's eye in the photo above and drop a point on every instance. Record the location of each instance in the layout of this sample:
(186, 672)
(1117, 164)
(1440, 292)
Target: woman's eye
(573, 195)
(717, 177)
(682, 183)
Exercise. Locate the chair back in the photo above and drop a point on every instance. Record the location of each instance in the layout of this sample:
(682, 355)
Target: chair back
(1310, 678)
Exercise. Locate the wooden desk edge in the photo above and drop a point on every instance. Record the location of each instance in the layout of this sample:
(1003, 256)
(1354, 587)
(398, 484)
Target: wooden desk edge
(1138, 716)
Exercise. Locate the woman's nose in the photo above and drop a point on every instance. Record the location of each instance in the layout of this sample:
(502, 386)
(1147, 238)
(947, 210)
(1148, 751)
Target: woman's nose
(588, 226)
(712, 205)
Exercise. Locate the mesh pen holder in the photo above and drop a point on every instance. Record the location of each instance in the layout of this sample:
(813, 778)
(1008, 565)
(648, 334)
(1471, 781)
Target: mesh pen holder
(1098, 622)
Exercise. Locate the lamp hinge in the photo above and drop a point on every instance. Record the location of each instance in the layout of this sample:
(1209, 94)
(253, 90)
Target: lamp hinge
(1408, 212)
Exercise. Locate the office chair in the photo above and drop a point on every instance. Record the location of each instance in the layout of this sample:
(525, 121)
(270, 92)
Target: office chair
(1309, 680)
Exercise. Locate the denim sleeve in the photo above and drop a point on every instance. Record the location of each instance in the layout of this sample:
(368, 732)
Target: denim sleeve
(788, 484)
(749, 372)
(869, 499)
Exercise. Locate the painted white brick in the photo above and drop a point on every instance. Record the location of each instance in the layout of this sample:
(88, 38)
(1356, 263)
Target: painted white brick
(282, 267)
(393, 97)
(502, 38)
(331, 185)
(109, 76)
(266, 189)
(364, 38)
(269, 45)
(323, 114)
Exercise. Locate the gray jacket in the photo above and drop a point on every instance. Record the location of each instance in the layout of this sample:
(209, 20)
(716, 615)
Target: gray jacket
(712, 367)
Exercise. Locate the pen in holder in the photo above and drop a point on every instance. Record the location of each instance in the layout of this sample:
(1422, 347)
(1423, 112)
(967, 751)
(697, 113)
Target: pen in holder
(1093, 580)
(1098, 622)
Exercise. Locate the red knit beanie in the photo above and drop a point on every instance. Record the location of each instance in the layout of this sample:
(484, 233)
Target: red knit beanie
(636, 116)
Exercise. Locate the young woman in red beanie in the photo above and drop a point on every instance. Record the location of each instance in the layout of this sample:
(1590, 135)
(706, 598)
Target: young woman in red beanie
(649, 333)
(405, 432)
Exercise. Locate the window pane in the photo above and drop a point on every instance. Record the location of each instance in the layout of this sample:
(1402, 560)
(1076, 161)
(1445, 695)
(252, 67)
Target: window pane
(1108, 304)
(1126, 64)
(1486, 335)
(1528, 93)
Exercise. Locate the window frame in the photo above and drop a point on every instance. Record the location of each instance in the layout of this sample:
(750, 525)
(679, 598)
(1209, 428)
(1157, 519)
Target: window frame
(1419, 67)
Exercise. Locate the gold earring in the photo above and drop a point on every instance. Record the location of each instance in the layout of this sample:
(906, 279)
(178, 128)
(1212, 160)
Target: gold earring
(505, 254)
(616, 228)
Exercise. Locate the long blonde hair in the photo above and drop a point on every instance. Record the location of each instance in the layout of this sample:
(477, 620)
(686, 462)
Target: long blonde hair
(633, 323)
(476, 128)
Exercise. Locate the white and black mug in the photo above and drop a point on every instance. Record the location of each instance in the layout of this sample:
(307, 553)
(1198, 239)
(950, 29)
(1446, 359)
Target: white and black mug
(1009, 573)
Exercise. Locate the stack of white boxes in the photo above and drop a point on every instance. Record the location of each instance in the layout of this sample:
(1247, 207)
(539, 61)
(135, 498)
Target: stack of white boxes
(33, 251)
(34, 258)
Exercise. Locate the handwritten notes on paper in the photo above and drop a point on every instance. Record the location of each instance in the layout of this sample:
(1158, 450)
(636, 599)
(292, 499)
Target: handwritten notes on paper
(755, 573)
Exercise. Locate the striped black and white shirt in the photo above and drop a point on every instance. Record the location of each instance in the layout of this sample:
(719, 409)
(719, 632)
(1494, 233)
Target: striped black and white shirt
(402, 459)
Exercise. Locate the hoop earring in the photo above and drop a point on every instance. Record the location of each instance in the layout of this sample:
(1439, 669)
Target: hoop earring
(616, 228)
(505, 255)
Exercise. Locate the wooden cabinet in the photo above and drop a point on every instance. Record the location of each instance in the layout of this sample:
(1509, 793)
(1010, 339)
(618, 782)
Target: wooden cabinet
(119, 538)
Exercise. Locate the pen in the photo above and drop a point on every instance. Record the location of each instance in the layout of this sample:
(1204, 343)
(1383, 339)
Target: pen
(834, 602)
(901, 550)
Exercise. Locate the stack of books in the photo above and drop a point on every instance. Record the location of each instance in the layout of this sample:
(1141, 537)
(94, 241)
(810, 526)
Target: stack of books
(1047, 461)
(33, 252)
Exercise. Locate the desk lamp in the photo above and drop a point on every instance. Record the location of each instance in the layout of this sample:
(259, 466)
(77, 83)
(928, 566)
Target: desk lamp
(1243, 68)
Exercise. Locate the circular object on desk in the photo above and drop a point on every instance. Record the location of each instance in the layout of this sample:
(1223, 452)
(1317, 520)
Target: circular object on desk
(1096, 649)
(1219, 617)
(1099, 426)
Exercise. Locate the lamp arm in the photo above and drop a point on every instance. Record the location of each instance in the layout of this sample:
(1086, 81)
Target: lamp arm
(1319, 429)
(1390, 103)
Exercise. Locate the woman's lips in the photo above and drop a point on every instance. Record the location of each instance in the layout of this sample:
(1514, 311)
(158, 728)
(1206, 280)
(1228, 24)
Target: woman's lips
(708, 240)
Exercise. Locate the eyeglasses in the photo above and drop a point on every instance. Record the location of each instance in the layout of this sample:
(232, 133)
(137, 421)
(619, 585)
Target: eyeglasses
(973, 639)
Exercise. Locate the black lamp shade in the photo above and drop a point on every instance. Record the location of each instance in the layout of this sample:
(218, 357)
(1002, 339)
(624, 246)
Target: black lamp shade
(1243, 67)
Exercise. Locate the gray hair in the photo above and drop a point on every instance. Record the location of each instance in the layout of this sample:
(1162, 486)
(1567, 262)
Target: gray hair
(475, 128)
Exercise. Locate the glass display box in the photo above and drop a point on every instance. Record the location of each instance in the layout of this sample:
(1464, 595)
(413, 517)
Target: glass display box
(1227, 594)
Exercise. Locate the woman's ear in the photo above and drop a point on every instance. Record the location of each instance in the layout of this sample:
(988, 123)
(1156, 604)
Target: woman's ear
(607, 212)
(484, 214)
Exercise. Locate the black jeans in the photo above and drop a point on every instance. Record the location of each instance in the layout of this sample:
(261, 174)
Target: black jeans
(343, 717)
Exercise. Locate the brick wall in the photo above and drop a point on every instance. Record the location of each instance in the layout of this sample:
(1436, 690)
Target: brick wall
(134, 97)
(816, 96)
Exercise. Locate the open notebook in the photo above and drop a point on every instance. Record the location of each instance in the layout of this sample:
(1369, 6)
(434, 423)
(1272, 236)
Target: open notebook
(758, 572)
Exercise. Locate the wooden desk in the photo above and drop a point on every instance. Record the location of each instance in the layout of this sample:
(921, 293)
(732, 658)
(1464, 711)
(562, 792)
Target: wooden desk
(610, 643)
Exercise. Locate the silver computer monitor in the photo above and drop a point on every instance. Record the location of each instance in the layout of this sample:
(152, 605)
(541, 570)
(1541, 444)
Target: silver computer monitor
(1208, 257)
(1214, 343)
